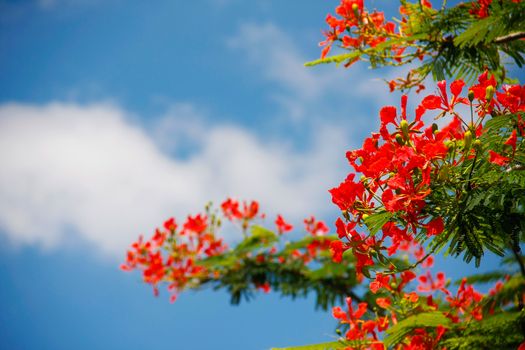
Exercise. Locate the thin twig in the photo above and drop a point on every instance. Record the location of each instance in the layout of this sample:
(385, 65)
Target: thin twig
(509, 37)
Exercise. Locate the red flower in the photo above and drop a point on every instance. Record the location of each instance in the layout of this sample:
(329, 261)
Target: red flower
(383, 302)
(265, 287)
(197, 224)
(232, 210)
(428, 284)
(337, 248)
(435, 227)
(345, 230)
(170, 224)
(381, 281)
(511, 141)
(512, 98)
(282, 226)
(347, 192)
(314, 227)
(441, 101)
(498, 159)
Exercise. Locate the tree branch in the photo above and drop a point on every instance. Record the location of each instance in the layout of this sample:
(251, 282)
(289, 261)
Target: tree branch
(509, 37)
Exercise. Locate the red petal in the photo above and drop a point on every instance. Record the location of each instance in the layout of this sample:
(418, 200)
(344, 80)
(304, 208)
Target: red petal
(456, 87)
(388, 114)
(431, 102)
(498, 158)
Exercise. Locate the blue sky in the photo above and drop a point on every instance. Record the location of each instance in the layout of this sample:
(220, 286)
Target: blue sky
(115, 115)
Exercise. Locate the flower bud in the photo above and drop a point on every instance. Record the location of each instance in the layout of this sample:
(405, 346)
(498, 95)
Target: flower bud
(450, 145)
(471, 95)
(489, 92)
(443, 173)
(477, 144)
(355, 8)
(400, 140)
(467, 139)
(434, 127)
(365, 216)
(403, 125)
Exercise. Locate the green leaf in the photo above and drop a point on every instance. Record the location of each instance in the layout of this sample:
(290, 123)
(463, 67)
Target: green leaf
(428, 319)
(260, 237)
(476, 33)
(502, 331)
(376, 221)
(226, 260)
(335, 59)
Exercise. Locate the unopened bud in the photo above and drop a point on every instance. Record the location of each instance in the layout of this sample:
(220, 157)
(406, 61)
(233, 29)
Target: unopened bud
(399, 140)
(443, 173)
(403, 125)
(489, 92)
(477, 144)
(450, 145)
(471, 95)
(355, 8)
(467, 139)
(434, 127)
(365, 216)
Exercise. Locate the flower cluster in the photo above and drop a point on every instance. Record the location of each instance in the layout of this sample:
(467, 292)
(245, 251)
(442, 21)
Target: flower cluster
(354, 27)
(172, 252)
(400, 165)
(367, 326)
(177, 255)
(480, 8)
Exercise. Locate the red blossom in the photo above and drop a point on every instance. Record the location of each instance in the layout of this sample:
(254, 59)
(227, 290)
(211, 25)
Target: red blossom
(511, 141)
(170, 224)
(315, 227)
(337, 248)
(498, 159)
(427, 283)
(435, 227)
(383, 302)
(282, 225)
(381, 281)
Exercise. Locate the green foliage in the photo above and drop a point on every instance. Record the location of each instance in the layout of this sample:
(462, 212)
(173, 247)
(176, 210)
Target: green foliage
(483, 205)
(260, 238)
(376, 221)
(397, 333)
(250, 265)
(509, 294)
(455, 42)
(486, 277)
(502, 331)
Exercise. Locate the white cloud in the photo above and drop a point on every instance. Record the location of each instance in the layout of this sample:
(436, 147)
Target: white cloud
(306, 93)
(87, 169)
